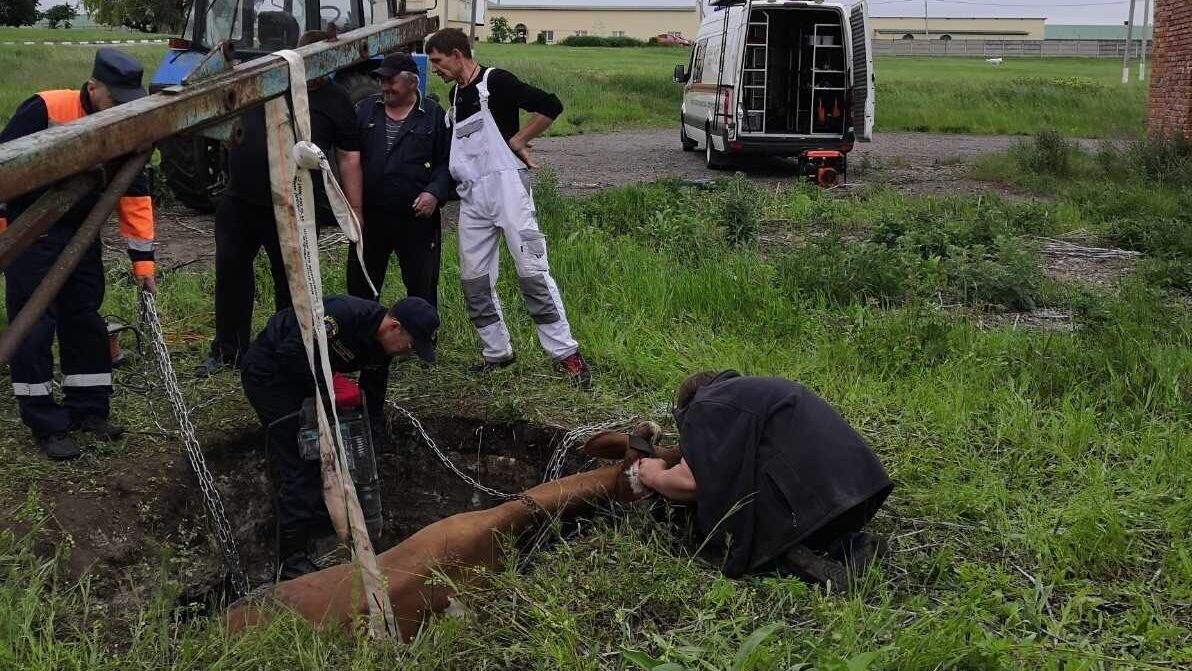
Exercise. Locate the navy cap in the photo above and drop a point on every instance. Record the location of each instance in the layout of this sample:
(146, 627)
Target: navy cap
(421, 321)
(119, 72)
(395, 63)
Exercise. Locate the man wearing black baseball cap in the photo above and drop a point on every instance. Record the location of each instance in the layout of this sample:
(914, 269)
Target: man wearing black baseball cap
(361, 336)
(404, 151)
(74, 315)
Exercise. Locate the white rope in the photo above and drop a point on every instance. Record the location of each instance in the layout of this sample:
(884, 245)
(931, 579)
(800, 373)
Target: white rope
(290, 158)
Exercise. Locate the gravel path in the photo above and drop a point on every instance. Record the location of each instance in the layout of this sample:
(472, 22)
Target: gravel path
(597, 161)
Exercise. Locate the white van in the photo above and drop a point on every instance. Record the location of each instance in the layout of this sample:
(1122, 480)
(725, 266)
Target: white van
(778, 77)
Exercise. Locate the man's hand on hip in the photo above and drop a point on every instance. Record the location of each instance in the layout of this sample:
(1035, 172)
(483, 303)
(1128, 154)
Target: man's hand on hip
(425, 204)
(522, 149)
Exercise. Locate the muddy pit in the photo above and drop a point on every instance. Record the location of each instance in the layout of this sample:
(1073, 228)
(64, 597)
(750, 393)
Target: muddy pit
(134, 510)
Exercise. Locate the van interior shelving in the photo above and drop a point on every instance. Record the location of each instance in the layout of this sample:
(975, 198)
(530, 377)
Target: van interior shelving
(809, 95)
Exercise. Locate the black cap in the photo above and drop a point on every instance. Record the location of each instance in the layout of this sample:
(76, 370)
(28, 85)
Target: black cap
(119, 72)
(395, 63)
(421, 321)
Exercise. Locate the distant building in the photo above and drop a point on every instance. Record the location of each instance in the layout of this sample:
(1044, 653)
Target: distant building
(557, 19)
(951, 28)
(1081, 32)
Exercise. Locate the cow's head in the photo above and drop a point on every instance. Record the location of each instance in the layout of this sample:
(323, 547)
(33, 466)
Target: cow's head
(629, 448)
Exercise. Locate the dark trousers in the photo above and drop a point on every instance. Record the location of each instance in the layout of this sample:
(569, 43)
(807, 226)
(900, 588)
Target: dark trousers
(417, 243)
(82, 337)
(241, 230)
(300, 483)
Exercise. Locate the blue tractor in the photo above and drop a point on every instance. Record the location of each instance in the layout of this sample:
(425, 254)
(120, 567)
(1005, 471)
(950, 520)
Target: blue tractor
(195, 167)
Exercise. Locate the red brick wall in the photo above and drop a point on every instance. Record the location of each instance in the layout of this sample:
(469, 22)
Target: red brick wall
(1171, 74)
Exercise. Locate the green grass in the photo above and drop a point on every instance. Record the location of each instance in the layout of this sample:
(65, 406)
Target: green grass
(1078, 97)
(25, 70)
(608, 89)
(9, 34)
(1040, 517)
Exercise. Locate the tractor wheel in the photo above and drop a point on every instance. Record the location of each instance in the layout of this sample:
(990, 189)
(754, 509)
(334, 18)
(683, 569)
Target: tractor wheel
(358, 84)
(195, 169)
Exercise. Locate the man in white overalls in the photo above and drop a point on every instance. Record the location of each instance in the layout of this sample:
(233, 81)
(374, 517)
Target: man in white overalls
(490, 163)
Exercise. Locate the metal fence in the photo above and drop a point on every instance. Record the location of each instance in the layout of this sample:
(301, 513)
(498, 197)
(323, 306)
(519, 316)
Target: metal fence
(1004, 48)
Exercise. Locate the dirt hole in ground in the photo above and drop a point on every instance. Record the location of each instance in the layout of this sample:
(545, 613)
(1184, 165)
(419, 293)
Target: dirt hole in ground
(139, 507)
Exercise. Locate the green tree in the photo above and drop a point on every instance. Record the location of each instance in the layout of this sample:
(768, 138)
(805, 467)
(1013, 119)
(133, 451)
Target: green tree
(145, 15)
(18, 12)
(499, 30)
(60, 14)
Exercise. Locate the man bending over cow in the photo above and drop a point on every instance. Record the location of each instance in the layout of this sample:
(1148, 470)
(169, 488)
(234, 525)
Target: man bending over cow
(780, 482)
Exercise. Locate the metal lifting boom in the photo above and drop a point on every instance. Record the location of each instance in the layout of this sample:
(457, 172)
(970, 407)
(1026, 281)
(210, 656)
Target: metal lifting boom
(51, 155)
(65, 157)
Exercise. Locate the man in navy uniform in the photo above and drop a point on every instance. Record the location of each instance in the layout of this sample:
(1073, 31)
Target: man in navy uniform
(361, 336)
(74, 314)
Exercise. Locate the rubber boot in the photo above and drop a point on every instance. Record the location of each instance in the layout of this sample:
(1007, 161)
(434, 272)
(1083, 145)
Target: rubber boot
(293, 558)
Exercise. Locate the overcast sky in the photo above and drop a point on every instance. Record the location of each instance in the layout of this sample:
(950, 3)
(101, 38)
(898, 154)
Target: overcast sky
(1056, 11)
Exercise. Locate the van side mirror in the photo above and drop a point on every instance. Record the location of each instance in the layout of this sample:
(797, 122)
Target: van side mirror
(680, 74)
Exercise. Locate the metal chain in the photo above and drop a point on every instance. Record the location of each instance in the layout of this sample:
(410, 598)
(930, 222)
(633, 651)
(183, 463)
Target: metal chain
(447, 460)
(216, 516)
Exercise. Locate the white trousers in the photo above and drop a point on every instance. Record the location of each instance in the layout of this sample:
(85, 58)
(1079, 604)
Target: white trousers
(502, 203)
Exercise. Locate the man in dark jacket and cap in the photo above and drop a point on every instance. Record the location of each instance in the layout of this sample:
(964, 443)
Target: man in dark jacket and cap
(362, 335)
(405, 149)
(780, 481)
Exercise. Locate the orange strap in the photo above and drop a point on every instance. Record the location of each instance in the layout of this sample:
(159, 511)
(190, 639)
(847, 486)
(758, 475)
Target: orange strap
(3, 224)
(143, 268)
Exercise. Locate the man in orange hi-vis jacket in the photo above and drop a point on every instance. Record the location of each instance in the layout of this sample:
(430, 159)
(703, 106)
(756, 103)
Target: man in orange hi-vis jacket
(74, 314)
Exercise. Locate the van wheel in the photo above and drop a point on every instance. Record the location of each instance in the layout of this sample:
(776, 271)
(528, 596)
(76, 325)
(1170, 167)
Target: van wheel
(688, 143)
(712, 158)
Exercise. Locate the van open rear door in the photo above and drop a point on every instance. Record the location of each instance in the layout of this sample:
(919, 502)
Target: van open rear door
(863, 97)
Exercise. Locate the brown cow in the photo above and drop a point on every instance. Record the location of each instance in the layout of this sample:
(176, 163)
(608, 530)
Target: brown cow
(456, 544)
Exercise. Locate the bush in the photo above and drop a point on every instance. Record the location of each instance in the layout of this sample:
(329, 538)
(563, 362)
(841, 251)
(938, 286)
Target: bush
(739, 218)
(598, 41)
(1167, 243)
(1048, 154)
(499, 30)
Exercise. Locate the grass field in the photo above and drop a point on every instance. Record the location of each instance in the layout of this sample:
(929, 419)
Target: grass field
(606, 89)
(1041, 514)
(9, 34)
(25, 70)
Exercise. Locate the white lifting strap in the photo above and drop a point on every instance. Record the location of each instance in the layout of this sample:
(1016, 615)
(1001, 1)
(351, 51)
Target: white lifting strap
(290, 159)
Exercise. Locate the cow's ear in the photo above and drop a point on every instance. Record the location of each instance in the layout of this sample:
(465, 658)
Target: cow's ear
(607, 445)
(650, 431)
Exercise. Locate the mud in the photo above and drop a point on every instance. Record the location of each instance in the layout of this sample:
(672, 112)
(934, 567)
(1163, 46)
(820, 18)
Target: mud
(140, 514)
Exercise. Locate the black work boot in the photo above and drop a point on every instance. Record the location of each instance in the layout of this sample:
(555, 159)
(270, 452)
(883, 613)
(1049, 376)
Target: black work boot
(490, 366)
(857, 550)
(98, 426)
(212, 365)
(816, 568)
(293, 559)
(295, 566)
(59, 446)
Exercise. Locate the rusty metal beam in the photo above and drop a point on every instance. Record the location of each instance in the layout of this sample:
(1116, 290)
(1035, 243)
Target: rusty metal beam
(46, 157)
(34, 221)
(68, 260)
